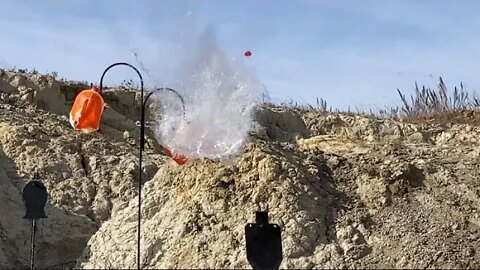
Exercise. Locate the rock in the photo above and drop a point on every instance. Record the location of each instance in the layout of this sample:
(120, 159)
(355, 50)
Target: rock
(444, 137)
(117, 120)
(281, 125)
(416, 137)
(210, 216)
(41, 90)
(6, 88)
(27, 97)
(348, 191)
(125, 101)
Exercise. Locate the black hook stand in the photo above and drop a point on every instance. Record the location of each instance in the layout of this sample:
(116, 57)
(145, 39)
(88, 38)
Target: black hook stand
(264, 243)
(35, 197)
(142, 131)
(144, 105)
(142, 140)
(174, 92)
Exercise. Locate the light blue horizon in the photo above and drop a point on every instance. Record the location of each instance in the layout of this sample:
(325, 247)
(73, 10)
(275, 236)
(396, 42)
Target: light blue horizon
(349, 53)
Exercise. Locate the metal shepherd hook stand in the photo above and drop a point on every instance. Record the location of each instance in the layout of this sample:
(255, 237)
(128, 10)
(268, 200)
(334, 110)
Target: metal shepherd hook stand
(142, 140)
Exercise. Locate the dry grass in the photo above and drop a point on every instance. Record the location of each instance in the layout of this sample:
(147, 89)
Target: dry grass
(320, 106)
(428, 104)
(425, 105)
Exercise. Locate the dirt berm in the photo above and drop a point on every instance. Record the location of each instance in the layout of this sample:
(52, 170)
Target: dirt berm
(348, 191)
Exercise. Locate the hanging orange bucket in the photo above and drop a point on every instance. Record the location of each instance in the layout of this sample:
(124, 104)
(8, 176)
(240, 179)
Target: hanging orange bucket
(87, 110)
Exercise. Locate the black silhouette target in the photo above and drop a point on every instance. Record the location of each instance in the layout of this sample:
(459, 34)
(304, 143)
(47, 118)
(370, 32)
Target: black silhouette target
(35, 197)
(264, 243)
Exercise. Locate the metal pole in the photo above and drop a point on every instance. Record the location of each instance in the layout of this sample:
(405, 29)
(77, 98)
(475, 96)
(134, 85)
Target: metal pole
(142, 131)
(32, 250)
(142, 142)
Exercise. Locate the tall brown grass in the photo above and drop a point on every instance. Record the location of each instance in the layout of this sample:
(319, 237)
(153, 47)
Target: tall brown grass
(424, 104)
(427, 103)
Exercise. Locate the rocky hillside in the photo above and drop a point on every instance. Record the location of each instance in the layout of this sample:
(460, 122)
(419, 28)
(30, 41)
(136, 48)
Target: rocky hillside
(347, 190)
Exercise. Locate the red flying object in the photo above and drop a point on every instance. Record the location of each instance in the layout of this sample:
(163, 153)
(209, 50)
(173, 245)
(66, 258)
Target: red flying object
(248, 53)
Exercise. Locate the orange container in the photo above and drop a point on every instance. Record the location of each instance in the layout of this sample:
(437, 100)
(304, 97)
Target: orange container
(87, 110)
(86, 114)
(179, 159)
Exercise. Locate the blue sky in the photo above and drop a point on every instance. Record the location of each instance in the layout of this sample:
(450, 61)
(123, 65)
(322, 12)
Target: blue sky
(351, 53)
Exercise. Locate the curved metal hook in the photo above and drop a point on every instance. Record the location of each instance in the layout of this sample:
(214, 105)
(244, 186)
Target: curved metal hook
(123, 64)
(170, 90)
(177, 94)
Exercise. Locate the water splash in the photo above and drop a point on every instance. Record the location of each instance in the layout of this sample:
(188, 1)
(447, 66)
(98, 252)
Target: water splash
(220, 94)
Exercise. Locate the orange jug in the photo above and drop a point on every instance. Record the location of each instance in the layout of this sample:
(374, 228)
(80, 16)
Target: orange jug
(179, 159)
(87, 110)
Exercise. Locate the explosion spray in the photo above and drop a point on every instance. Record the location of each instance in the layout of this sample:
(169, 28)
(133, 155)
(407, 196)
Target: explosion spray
(220, 94)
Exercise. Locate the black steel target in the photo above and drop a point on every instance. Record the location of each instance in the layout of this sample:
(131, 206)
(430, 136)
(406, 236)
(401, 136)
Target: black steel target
(35, 197)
